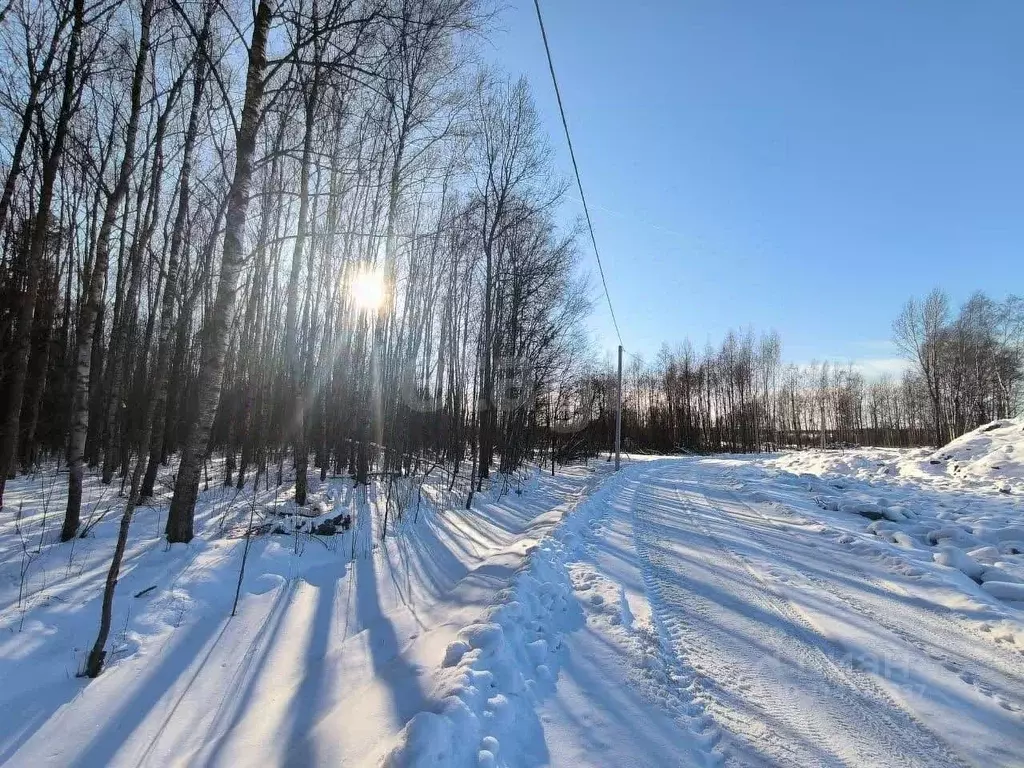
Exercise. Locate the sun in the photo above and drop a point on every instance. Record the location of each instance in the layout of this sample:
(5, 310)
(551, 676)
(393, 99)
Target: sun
(369, 289)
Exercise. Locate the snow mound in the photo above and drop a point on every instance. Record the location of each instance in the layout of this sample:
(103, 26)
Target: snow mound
(873, 509)
(955, 512)
(1005, 590)
(951, 557)
(810, 468)
(992, 453)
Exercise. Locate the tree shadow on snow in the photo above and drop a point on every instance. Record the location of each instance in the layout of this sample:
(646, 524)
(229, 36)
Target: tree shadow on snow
(29, 711)
(157, 680)
(312, 701)
(389, 664)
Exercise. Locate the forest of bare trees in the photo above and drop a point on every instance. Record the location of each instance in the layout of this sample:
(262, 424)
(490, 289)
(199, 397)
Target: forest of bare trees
(192, 188)
(963, 370)
(199, 197)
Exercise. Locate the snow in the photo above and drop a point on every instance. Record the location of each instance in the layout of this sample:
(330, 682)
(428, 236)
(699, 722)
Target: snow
(326, 627)
(993, 454)
(502, 664)
(856, 611)
(859, 607)
(989, 458)
(952, 557)
(1006, 590)
(961, 504)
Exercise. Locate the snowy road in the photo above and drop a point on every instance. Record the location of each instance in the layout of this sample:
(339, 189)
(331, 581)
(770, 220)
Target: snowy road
(793, 644)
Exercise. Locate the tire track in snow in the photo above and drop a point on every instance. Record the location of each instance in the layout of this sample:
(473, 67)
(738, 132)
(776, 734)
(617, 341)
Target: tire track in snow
(890, 712)
(993, 676)
(765, 676)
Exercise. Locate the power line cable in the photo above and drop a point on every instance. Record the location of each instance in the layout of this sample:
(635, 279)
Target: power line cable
(575, 168)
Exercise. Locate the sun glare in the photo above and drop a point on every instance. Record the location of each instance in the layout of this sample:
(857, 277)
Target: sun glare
(369, 289)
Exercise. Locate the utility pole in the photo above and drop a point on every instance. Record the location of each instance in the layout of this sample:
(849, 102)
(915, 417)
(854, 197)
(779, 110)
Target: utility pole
(618, 414)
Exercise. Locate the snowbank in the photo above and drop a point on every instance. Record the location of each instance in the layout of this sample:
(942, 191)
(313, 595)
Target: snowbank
(959, 508)
(992, 454)
(1005, 590)
(499, 667)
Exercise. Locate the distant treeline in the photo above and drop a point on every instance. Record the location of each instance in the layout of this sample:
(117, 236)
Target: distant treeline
(963, 370)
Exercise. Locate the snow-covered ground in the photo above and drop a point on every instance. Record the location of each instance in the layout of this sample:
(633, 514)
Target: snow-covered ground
(328, 656)
(809, 609)
(793, 610)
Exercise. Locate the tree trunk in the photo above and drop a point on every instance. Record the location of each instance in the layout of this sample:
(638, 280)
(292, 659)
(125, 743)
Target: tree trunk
(294, 386)
(485, 405)
(211, 374)
(11, 411)
(170, 297)
(38, 364)
(124, 337)
(95, 291)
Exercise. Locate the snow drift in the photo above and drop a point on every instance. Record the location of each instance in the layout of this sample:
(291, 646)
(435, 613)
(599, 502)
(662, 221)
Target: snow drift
(991, 454)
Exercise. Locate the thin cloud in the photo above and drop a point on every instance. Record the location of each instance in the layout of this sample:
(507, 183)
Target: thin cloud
(877, 367)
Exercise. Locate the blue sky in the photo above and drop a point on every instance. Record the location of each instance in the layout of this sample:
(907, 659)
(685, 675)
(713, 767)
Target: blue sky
(803, 165)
